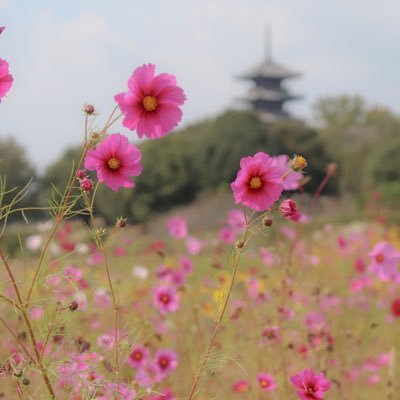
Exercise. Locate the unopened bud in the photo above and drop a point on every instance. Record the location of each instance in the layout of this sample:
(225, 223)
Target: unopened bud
(74, 305)
(26, 381)
(268, 221)
(240, 244)
(298, 163)
(81, 174)
(86, 184)
(121, 222)
(88, 109)
(332, 168)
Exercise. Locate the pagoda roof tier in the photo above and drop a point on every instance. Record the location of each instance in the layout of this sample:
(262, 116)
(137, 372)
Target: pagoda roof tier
(258, 93)
(270, 69)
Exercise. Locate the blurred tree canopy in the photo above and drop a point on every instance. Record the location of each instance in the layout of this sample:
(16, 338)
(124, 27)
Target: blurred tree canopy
(363, 140)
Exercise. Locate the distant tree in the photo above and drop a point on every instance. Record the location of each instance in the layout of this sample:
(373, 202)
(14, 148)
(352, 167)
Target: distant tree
(15, 166)
(354, 135)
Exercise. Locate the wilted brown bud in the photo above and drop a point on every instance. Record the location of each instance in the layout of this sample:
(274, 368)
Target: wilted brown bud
(332, 168)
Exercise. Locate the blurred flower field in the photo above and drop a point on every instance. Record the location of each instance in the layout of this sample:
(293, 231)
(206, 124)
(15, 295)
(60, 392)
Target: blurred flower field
(307, 296)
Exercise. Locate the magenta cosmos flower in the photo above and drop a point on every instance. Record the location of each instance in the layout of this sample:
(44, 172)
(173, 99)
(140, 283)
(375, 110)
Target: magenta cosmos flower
(288, 209)
(266, 381)
(151, 104)
(384, 260)
(6, 79)
(115, 160)
(311, 386)
(258, 184)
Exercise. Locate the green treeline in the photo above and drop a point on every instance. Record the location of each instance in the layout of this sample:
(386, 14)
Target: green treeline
(204, 157)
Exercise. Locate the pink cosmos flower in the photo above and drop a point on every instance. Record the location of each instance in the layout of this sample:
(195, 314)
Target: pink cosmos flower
(241, 386)
(138, 357)
(288, 209)
(266, 381)
(151, 105)
(193, 245)
(227, 235)
(290, 179)
(166, 299)
(115, 160)
(6, 79)
(258, 184)
(384, 261)
(237, 220)
(167, 360)
(177, 227)
(309, 385)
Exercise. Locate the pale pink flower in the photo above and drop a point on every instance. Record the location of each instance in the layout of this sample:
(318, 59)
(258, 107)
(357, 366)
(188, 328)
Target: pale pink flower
(166, 360)
(6, 79)
(258, 184)
(36, 313)
(193, 245)
(290, 179)
(384, 261)
(115, 160)
(177, 227)
(166, 299)
(105, 341)
(266, 382)
(227, 235)
(309, 385)
(237, 220)
(151, 105)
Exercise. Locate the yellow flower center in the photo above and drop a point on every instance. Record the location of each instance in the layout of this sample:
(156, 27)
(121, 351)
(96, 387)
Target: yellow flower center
(164, 298)
(379, 258)
(264, 383)
(137, 355)
(163, 362)
(255, 183)
(150, 103)
(113, 163)
(300, 162)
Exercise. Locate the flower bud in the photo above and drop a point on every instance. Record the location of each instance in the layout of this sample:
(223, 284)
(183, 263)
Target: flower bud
(74, 305)
(89, 109)
(26, 381)
(81, 174)
(268, 221)
(332, 168)
(240, 244)
(298, 163)
(86, 184)
(121, 222)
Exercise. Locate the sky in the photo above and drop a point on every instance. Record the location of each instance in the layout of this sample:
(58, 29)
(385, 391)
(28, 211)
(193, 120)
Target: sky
(63, 54)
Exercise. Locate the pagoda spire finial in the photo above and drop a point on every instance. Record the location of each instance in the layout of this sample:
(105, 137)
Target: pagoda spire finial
(268, 42)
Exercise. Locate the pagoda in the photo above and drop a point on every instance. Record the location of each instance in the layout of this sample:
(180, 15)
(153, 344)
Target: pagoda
(269, 94)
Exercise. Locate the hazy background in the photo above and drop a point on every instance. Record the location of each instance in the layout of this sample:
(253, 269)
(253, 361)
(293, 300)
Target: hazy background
(63, 54)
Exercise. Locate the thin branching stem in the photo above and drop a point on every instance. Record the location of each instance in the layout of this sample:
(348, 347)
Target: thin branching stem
(235, 262)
